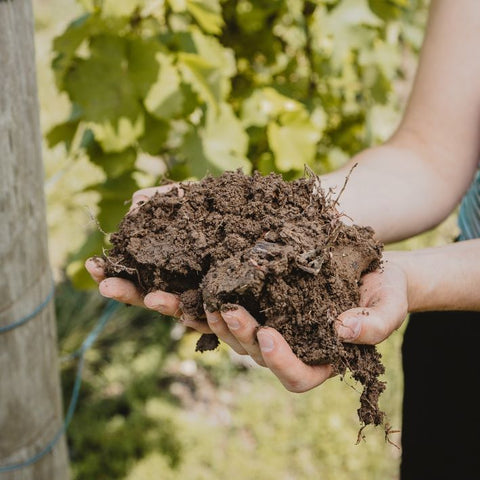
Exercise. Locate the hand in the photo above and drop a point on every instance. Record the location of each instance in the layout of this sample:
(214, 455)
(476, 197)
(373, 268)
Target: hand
(237, 328)
(126, 292)
(383, 305)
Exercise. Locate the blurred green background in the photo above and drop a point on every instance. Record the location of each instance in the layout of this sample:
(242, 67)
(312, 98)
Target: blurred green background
(136, 91)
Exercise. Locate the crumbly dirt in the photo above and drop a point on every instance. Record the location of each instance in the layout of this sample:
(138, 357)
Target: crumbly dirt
(278, 248)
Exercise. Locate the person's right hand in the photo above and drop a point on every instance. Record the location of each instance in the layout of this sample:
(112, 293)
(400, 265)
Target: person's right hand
(238, 329)
(126, 292)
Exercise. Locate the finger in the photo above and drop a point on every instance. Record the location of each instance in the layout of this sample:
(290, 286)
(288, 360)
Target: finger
(121, 290)
(163, 302)
(220, 329)
(295, 375)
(370, 325)
(198, 324)
(96, 268)
(244, 328)
(373, 324)
(143, 195)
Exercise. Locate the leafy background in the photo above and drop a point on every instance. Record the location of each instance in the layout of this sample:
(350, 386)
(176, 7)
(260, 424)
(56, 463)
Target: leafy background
(134, 92)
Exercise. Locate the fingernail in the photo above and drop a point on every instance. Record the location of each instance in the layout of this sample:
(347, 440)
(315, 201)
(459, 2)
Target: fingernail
(211, 317)
(154, 300)
(231, 321)
(103, 288)
(265, 341)
(95, 263)
(187, 320)
(348, 328)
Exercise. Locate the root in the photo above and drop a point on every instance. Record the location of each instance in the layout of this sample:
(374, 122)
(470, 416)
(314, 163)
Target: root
(347, 178)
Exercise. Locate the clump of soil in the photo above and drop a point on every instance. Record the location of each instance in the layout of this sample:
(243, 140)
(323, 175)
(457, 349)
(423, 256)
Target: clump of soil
(278, 248)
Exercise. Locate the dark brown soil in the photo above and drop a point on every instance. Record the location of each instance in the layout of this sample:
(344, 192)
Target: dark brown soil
(280, 249)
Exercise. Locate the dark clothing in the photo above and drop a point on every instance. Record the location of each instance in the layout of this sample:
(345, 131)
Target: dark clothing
(441, 406)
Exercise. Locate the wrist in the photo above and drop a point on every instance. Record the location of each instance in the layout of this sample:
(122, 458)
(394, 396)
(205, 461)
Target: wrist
(405, 261)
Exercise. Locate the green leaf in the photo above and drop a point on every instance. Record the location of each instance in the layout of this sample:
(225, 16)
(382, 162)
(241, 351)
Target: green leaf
(75, 33)
(103, 89)
(156, 134)
(196, 163)
(208, 14)
(293, 141)
(388, 9)
(116, 135)
(221, 145)
(203, 77)
(62, 132)
(143, 67)
(178, 6)
(115, 194)
(266, 104)
(225, 142)
(120, 8)
(215, 53)
(66, 45)
(113, 164)
(100, 85)
(164, 99)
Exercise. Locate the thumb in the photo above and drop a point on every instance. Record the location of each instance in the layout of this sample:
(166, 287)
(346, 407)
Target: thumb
(372, 325)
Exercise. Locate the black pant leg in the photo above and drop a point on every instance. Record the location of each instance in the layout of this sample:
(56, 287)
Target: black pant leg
(441, 406)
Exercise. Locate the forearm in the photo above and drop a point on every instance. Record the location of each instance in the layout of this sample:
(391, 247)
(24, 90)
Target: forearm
(441, 278)
(395, 190)
(417, 178)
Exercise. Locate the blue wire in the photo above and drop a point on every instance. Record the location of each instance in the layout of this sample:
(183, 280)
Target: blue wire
(31, 315)
(107, 313)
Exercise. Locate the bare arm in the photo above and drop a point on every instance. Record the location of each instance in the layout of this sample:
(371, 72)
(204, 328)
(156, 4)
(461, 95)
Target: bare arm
(416, 179)
(442, 278)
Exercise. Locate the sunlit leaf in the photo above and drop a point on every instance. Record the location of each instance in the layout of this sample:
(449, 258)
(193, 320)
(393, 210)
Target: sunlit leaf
(207, 13)
(266, 104)
(178, 6)
(203, 77)
(120, 8)
(116, 135)
(212, 50)
(293, 141)
(164, 99)
(225, 141)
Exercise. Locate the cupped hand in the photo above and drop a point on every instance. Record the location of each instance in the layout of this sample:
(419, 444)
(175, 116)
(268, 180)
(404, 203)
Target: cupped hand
(383, 308)
(383, 305)
(125, 291)
(237, 328)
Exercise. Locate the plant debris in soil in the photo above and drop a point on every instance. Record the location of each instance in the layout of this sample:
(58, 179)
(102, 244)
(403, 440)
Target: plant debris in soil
(278, 248)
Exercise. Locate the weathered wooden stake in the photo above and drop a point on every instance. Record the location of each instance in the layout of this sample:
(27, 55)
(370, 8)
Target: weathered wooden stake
(30, 403)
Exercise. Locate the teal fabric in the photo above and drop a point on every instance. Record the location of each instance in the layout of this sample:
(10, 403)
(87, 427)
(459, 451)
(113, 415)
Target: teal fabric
(469, 213)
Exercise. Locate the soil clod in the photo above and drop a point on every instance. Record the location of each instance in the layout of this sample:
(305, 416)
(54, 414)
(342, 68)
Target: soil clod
(280, 249)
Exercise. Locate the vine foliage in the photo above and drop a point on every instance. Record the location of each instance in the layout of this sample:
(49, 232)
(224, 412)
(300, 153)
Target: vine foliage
(203, 86)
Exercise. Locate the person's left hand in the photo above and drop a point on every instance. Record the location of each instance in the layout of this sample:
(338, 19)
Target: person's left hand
(383, 304)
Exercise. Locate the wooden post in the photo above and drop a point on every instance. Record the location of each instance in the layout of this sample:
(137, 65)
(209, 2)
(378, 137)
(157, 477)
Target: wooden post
(30, 402)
